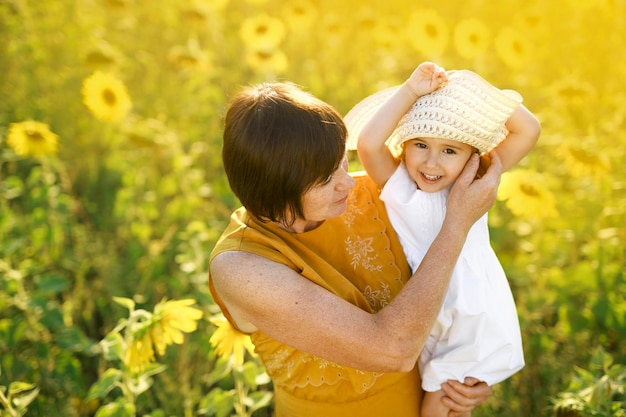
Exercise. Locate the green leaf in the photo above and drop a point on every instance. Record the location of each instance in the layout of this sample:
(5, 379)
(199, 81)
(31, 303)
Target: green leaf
(258, 400)
(141, 384)
(155, 413)
(117, 409)
(53, 284)
(18, 387)
(125, 302)
(218, 403)
(249, 372)
(12, 187)
(112, 346)
(105, 384)
(73, 339)
(153, 369)
(22, 400)
(220, 370)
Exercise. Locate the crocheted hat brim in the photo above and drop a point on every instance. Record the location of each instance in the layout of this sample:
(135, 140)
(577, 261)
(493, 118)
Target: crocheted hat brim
(465, 109)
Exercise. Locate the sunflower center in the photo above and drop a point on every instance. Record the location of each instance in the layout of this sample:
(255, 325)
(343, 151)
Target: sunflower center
(264, 56)
(473, 39)
(529, 190)
(262, 30)
(109, 97)
(35, 136)
(431, 31)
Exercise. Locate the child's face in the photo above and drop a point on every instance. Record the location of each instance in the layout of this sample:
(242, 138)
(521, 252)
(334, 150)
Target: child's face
(434, 164)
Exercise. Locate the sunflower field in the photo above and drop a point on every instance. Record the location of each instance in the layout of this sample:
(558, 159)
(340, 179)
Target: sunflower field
(112, 192)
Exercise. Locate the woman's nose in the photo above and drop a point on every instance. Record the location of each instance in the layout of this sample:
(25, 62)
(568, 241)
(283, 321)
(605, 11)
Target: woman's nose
(347, 182)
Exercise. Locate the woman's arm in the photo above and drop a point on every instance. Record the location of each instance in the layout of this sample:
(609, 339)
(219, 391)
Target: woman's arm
(374, 154)
(264, 295)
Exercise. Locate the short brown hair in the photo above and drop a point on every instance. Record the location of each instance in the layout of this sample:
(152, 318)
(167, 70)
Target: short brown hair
(279, 141)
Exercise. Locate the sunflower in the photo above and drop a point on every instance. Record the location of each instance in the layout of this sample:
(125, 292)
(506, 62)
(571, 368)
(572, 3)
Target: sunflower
(106, 97)
(117, 4)
(270, 61)
(532, 20)
(228, 342)
(196, 15)
(572, 89)
(428, 32)
(512, 48)
(171, 319)
(190, 57)
(582, 159)
(334, 29)
(525, 194)
(386, 35)
(30, 138)
(471, 38)
(262, 32)
(139, 354)
(588, 6)
(216, 5)
(300, 16)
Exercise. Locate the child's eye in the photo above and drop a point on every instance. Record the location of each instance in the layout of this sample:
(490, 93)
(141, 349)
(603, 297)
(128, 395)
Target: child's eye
(449, 151)
(421, 145)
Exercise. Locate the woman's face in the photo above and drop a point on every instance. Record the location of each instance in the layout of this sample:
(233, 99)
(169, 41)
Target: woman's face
(327, 199)
(434, 164)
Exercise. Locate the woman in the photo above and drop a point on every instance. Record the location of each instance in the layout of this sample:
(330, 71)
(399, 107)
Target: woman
(311, 268)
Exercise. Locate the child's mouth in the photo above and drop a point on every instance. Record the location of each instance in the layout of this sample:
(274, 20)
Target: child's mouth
(431, 177)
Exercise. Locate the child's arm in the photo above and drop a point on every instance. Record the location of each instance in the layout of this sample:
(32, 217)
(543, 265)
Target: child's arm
(524, 130)
(374, 155)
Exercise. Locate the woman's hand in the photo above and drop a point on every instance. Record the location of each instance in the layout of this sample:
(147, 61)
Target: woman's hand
(462, 398)
(470, 198)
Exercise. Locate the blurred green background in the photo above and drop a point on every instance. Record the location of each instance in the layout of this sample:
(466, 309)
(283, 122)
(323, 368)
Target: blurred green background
(118, 189)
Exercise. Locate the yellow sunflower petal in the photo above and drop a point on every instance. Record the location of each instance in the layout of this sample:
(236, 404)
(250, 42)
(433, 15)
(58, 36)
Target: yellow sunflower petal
(263, 32)
(31, 138)
(272, 61)
(158, 338)
(513, 48)
(471, 38)
(179, 315)
(428, 32)
(106, 97)
(229, 342)
(139, 354)
(525, 195)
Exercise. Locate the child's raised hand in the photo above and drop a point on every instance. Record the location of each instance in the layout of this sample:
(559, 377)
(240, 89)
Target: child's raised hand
(426, 78)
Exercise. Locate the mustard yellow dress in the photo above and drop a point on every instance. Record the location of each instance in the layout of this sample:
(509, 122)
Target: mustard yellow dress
(358, 257)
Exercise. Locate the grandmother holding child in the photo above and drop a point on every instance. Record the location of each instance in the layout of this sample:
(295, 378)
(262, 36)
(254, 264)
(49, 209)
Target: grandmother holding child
(312, 269)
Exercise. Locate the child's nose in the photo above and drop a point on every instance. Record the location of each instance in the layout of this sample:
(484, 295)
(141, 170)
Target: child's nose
(432, 159)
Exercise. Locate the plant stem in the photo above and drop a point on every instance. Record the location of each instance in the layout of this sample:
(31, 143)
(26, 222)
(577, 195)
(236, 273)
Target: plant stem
(7, 405)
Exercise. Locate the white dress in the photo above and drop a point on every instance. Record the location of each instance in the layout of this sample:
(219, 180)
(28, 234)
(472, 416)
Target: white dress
(477, 331)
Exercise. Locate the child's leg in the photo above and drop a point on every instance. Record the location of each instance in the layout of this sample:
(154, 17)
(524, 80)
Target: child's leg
(433, 407)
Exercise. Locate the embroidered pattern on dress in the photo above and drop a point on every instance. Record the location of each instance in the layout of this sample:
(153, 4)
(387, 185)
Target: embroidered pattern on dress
(360, 250)
(282, 368)
(352, 210)
(278, 361)
(377, 299)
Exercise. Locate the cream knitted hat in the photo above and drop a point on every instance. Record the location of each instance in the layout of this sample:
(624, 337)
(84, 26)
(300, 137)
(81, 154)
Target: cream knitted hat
(465, 109)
